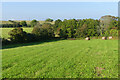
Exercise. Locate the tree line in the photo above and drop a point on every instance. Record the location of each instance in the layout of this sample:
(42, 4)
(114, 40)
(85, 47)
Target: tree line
(72, 28)
(14, 24)
(106, 26)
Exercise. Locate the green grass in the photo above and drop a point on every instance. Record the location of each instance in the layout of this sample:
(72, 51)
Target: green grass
(28, 22)
(62, 59)
(6, 30)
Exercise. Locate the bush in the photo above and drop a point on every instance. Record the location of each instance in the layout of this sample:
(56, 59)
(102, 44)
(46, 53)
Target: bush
(30, 37)
(4, 41)
(63, 34)
(23, 23)
(17, 35)
(57, 24)
(17, 24)
(106, 33)
(10, 25)
(113, 32)
(37, 32)
(49, 30)
(33, 23)
(71, 38)
(43, 32)
(81, 32)
(49, 20)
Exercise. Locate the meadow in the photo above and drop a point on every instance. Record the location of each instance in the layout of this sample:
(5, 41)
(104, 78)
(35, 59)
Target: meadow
(61, 59)
(5, 31)
(28, 22)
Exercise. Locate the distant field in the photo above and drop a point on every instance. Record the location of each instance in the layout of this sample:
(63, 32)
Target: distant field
(62, 59)
(28, 22)
(6, 30)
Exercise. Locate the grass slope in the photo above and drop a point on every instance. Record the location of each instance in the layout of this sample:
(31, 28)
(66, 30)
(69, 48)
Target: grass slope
(62, 59)
(6, 30)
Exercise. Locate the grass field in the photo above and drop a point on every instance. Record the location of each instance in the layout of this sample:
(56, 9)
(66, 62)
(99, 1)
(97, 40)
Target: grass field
(61, 59)
(28, 22)
(6, 30)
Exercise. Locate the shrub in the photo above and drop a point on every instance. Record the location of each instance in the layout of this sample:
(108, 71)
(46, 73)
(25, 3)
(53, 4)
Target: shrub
(63, 34)
(18, 35)
(4, 41)
(37, 32)
(43, 32)
(57, 24)
(49, 20)
(30, 37)
(16, 24)
(10, 25)
(48, 28)
(106, 33)
(23, 23)
(81, 31)
(113, 32)
(33, 23)
(71, 38)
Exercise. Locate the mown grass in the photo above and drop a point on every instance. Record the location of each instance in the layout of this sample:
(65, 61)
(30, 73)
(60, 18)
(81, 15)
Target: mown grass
(5, 31)
(62, 59)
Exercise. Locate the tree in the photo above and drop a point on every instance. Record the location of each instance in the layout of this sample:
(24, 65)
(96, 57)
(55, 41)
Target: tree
(4, 41)
(36, 31)
(113, 32)
(23, 23)
(43, 32)
(81, 31)
(63, 34)
(17, 35)
(49, 29)
(49, 20)
(33, 23)
(107, 21)
(57, 24)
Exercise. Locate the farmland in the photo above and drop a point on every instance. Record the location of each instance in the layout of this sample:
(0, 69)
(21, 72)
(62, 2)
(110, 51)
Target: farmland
(61, 59)
(28, 22)
(6, 30)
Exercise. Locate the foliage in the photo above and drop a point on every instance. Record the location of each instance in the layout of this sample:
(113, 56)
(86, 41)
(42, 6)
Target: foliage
(10, 25)
(6, 30)
(4, 41)
(49, 20)
(43, 32)
(17, 35)
(63, 34)
(113, 32)
(73, 28)
(82, 31)
(83, 28)
(30, 37)
(23, 23)
(49, 29)
(106, 33)
(33, 23)
(57, 24)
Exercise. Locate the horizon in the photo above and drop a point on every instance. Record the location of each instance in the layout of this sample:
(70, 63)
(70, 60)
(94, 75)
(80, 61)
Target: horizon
(56, 19)
(57, 10)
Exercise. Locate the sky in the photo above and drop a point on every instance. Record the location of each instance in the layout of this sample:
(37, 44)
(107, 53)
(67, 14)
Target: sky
(57, 10)
(60, 0)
